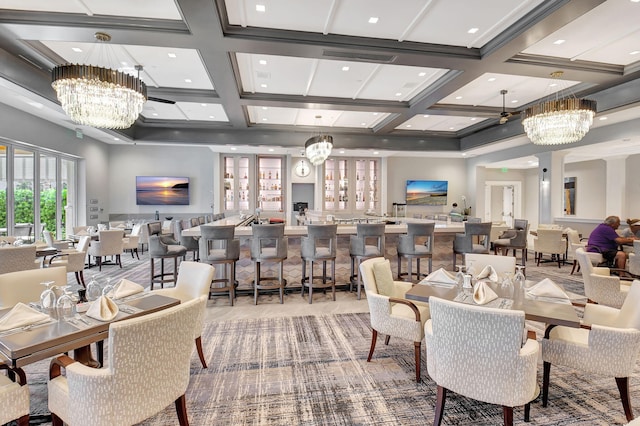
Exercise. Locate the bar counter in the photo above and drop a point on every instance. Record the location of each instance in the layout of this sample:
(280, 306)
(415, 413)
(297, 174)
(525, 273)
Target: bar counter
(442, 251)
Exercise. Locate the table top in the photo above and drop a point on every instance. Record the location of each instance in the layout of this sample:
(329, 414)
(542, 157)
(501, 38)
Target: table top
(51, 339)
(535, 310)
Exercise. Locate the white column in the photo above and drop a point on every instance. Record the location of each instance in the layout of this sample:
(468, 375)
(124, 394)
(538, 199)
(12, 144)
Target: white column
(616, 187)
(551, 185)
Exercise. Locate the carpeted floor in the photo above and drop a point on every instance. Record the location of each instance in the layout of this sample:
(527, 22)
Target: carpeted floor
(312, 370)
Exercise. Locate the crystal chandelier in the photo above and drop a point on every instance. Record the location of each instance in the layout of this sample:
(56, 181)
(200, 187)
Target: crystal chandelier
(558, 121)
(318, 148)
(99, 97)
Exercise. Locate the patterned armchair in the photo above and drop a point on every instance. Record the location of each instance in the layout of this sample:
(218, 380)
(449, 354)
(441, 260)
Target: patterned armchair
(477, 352)
(634, 259)
(20, 258)
(73, 259)
(14, 398)
(194, 280)
(608, 344)
(599, 286)
(25, 286)
(390, 313)
(149, 362)
(59, 244)
(109, 244)
(549, 241)
(501, 264)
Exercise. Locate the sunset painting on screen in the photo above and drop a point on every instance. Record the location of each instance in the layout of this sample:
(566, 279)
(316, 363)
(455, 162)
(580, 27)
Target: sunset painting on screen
(427, 192)
(162, 190)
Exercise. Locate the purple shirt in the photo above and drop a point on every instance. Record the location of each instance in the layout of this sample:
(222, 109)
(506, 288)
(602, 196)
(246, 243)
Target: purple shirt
(604, 238)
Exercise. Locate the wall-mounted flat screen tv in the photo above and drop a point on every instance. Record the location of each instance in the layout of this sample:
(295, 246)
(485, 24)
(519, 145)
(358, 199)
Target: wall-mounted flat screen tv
(427, 192)
(162, 190)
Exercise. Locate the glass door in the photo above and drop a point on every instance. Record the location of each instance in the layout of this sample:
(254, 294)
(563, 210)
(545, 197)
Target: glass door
(270, 183)
(330, 184)
(372, 202)
(237, 186)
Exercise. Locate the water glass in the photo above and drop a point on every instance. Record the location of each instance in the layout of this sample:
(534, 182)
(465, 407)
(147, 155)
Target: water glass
(65, 305)
(93, 290)
(506, 287)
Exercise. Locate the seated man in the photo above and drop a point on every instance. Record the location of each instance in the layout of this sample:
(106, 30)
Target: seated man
(633, 229)
(606, 241)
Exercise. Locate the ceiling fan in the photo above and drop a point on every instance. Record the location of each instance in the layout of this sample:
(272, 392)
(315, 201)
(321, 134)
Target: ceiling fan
(151, 98)
(504, 115)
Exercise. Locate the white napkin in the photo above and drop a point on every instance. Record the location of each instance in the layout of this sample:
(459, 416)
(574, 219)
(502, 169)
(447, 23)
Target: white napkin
(21, 315)
(82, 232)
(488, 272)
(103, 309)
(441, 276)
(125, 288)
(482, 293)
(547, 288)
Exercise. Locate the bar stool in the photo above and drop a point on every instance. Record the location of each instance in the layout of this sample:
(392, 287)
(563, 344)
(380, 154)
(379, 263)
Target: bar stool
(412, 246)
(319, 245)
(465, 243)
(359, 250)
(163, 247)
(218, 246)
(268, 244)
(190, 243)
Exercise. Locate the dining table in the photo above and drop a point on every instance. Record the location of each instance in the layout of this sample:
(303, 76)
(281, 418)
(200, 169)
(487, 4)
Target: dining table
(545, 310)
(26, 345)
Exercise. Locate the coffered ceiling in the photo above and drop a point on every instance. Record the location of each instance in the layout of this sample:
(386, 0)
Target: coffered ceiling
(415, 75)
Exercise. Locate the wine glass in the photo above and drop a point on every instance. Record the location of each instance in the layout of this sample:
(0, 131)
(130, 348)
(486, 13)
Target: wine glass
(108, 288)
(471, 270)
(506, 286)
(93, 289)
(65, 305)
(460, 275)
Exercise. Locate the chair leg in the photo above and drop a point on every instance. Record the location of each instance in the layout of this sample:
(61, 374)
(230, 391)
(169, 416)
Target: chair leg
(77, 274)
(81, 273)
(310, 284)
(441, 398)
(387, 339)
(507, 415)
(417, 346)
(304, 276)
(281, 283)
(359, 280)
(527, 411)
(181, 411)
(200, 353)
(374, 337)
(575, 263)
(399, 268)
(623, 387)
(546, 369)
(333, 279)
(55, 420)
(256, 283)
(136, 251)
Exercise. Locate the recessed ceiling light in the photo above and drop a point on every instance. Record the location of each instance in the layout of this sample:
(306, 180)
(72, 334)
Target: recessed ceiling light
(187, 80)
(233, 148)
(116, 139)
(515, 101)
(373, 20)
(408, 126)
(212, 116)
(265, 108)
(451, 128)
(464, 154)
(363, 124)
(473, 119)
(553, 84)
(426, 116)
(76, 49)
(155, 114)
(35, 104)
(473, 30)
(558, 42)
(398, 94)
(264, 119)
(342, 152)
(458, 97)
(375, 153)
(345, 68)
(262, 62)
(375, 113)
(491, 79)
(635, 52)
(635, 1)
(264, 86)
(602, 118)
(270, 149)
(204, 105)
(171, 55)
(124, 63)
(422, 74)
(260, 8)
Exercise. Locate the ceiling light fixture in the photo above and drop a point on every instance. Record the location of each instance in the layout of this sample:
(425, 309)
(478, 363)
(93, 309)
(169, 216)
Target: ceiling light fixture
(99, 97)
(318, 148)
(559, 121)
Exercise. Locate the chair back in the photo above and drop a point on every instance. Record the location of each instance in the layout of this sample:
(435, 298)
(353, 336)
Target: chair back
(218, 243)
(268, 242)
(48, 238)
(78, 229)
(368, 277)
(419, 239)
(629, 315)
(550, 241)
(501, 264)
(466, 243)
(194, 280)
(25, 286)
(22, 229)
(201, 220)
(117, 224)
(193, 222)
(154, 228)
(321, 241)
(163, 338)
(369, 240)
(18, 258)
(110, 243)
(475, 351)
(135, 231)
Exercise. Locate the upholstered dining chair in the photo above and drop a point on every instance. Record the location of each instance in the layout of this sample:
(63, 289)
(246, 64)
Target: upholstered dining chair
(513, 239)
(194, 279)
(128, 390)
(391, 314)
(477, 352)
(474, 240)
(18, 258)
(607, 344)
(132, 241)
(109, 244)
(218, 246)
(369, 242)
(14, 397)
(74, 259)
(550, 241)
(26, 286)
(599, 286)
(633, 264)
(501, 264)
(59, 244)
(416, 244)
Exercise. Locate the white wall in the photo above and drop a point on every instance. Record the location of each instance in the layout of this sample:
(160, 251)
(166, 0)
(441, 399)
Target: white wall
(401, 169)
(129, 161)
(590, 188)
